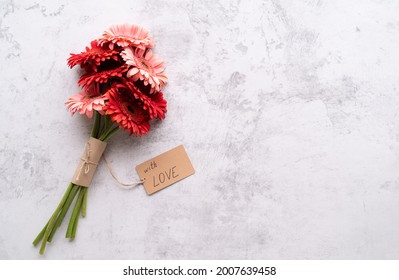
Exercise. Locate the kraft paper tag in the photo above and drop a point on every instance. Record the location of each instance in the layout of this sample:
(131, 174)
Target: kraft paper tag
(165, 169)
(88, 162)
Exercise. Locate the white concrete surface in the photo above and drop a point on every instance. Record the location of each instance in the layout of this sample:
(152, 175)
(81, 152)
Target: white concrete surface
(288, 110)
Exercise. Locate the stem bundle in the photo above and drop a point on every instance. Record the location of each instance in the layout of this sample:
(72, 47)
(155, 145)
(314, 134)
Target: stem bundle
(103, 129)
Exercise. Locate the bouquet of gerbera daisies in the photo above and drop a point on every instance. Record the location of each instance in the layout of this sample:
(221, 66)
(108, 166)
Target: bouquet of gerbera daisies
(121, 88)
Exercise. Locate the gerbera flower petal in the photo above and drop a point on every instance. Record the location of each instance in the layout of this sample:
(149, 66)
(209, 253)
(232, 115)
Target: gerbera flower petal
(86, 102)
(101, 77)
(126, 111)
(149, 68)
(124, 35)
(154, 103)
(92, 57)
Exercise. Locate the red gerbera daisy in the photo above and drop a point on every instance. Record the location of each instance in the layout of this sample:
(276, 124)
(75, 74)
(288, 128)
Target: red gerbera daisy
(101, 76)
(127, 111)
(92, 57)
(153, 103)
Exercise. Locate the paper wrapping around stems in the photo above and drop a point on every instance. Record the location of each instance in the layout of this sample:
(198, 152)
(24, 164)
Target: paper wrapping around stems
(88, 162)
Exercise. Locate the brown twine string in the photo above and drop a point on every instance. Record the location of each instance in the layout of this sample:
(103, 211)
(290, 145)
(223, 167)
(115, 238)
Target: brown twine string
(121, 184)
(86, 161)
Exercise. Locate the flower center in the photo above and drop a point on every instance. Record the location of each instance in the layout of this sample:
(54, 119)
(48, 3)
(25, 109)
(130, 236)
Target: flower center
(130, 108)
(145, 66)
(126, 105)
(91, 96)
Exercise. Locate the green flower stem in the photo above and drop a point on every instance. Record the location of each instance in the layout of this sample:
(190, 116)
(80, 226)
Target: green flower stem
(107, 123)
(84, 203)
(64, 211)
(39, 236)
(75, 226)
(53, 219)
(96, 126)
(104, 132)
(102, 127)
(75, 212)
(108, 134)
(112, 133)
(56, 212)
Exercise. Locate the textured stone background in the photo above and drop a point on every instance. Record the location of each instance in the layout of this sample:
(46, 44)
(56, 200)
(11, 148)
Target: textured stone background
(288, 110)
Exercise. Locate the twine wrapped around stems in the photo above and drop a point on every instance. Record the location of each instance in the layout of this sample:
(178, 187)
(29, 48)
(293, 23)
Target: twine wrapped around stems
(88, 162)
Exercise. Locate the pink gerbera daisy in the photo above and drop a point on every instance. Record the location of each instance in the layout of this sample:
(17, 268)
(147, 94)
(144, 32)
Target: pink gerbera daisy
(86, 102)
(124, 35)
(146, 66)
